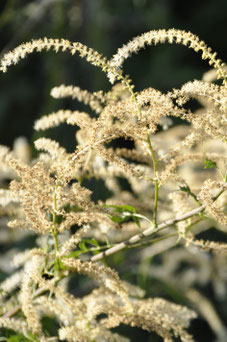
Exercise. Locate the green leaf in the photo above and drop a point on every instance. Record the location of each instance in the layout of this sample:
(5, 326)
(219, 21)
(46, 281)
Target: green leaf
(61, 264)
(225, 179)
(15, 338)
(136, 220)
(92, 242)
(74, 254)
(55, 268)
(126, 212)
(122, 208)
(185, 189)
(58, 265)
(18, 338)
(82, 246)
(119, 219)
(189, 192)
(209, 164)
(96, 252)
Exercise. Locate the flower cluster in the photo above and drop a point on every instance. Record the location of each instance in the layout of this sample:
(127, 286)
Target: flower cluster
(177, 179)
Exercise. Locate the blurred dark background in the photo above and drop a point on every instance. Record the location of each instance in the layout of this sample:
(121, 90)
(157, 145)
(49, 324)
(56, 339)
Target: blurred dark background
(103, 25)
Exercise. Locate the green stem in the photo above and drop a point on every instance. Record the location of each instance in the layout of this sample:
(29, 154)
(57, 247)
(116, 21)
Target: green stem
(55, 236)
(54, 229)
(155, 181)
(133, 95)
(150, 242)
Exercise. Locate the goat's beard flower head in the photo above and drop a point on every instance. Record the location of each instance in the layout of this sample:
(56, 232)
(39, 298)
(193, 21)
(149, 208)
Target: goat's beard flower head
(148, 181)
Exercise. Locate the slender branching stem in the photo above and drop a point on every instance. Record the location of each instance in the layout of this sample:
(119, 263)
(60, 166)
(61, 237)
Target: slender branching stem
(54, 229)
(150, 242)
(148, 232)
(127, 84)
(133, 96)
(152, 230)
(155, 180)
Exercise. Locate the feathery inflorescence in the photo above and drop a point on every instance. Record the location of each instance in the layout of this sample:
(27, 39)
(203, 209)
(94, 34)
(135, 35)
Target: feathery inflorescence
(177, 180)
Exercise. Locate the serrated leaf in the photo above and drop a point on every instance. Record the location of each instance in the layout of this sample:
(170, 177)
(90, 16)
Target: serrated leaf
(209, 164)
